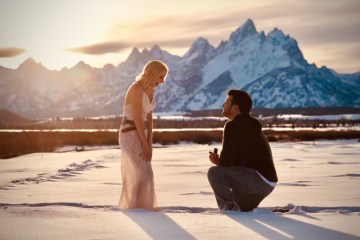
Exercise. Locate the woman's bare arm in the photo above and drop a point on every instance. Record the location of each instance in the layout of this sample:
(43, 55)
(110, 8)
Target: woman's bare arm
(136, 95)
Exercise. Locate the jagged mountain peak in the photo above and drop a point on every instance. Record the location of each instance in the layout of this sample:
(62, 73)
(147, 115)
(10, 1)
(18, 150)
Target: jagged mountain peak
(135, 50)
(133, 58)
(29, 61)
(200, 42)
(270, 67)
(82, 66)
(154, 52)
(134, 54)
(276, 33)
(109, 66)
(245, 30)
(279, 38)
(201, 46)
(31, 65)
(285, 42)
(157, 53)
(137, 59)
(155, 49)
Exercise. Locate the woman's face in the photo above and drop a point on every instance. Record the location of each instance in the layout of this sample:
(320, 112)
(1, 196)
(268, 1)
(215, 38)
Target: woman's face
(159, 79)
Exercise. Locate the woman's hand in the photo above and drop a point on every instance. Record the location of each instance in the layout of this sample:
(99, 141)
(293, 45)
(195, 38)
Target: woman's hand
(151, 151)
(147, 152)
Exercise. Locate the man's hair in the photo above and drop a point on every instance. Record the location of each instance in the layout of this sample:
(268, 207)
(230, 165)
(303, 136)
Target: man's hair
(242, 99)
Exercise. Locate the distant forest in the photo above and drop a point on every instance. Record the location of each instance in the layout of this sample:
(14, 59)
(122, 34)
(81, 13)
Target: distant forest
(311, 111)
(10, 120)
(22, 142)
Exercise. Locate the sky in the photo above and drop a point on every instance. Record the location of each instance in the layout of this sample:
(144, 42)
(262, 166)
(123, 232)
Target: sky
(60, 33)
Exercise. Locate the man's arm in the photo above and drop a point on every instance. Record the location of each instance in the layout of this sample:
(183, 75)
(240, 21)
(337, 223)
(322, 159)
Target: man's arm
(229, 144)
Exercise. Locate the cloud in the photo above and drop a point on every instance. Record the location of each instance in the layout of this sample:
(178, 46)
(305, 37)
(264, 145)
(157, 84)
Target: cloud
(175, 31)
(11, 52)
(167, 43)
(314, 22)
(100, 48)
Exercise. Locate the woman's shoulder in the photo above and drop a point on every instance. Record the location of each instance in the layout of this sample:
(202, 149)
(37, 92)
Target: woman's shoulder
(136, 88)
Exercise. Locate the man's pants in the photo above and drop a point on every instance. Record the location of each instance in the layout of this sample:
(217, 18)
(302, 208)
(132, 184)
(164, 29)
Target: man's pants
(237, 188)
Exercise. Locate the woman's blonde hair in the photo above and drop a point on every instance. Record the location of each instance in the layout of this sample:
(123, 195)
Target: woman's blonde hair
(150, 71)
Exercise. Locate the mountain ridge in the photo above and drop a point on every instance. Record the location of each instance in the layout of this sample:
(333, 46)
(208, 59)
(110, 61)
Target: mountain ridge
(270, 67)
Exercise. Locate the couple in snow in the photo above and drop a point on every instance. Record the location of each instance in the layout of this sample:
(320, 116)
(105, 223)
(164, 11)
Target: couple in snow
(244, 172)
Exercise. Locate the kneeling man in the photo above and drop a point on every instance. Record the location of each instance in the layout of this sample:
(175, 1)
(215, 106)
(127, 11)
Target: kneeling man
(244, 173)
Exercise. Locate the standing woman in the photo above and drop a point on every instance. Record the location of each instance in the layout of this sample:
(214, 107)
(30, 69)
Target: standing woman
(135, 139)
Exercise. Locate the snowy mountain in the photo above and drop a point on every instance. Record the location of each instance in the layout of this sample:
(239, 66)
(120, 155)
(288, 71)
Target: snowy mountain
(270, 67)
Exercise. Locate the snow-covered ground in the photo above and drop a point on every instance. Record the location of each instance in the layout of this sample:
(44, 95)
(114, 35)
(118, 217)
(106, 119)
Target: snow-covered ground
(73, 195)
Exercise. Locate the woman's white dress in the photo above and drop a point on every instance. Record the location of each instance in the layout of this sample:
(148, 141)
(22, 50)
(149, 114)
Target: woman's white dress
(138, 180)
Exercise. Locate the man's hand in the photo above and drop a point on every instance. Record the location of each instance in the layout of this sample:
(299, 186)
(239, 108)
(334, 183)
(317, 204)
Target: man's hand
(214, 158)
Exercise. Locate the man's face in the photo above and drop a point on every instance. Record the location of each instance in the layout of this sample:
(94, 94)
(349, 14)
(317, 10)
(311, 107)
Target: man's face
(227, 107)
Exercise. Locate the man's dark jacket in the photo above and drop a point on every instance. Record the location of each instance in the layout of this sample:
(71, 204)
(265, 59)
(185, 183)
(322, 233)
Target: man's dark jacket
(244, 144)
